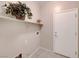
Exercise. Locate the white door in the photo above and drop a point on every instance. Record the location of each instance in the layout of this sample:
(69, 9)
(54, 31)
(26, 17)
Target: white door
(64, 28)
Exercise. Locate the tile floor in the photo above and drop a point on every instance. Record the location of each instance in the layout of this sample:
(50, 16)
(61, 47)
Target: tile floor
(42, 53)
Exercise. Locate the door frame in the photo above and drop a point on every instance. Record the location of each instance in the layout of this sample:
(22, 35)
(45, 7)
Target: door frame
(76, 32)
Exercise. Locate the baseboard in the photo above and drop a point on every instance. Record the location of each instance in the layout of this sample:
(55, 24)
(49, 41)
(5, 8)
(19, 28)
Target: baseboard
(37, 50)
(62, 55)
(34, 52)
(46, 49)
(53, 52)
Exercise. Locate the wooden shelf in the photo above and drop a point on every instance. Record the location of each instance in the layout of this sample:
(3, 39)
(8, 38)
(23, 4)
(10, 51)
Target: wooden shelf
(35, 23)
(9, 18)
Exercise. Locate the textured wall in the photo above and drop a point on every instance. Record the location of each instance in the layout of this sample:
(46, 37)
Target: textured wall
(18, 37)
(46, 11)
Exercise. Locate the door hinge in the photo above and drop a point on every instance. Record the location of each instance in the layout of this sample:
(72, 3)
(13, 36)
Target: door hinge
(75, 52)
(75, 15)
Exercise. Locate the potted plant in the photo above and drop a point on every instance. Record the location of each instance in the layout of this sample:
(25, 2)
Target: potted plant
(19, 10)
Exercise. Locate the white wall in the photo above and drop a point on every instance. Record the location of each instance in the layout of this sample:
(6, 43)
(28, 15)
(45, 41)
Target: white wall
(46, 32)
(18, 37)
(46, 12)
